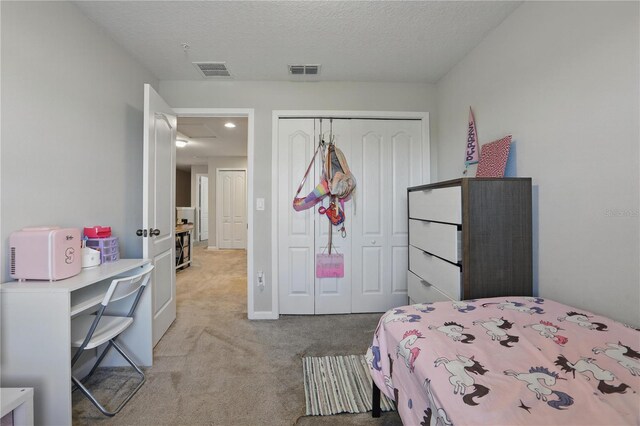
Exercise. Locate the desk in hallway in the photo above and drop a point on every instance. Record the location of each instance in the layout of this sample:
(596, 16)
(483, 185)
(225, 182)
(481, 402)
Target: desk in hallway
(184, 245)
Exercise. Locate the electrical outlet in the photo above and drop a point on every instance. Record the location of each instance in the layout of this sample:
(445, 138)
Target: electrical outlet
(260, 279)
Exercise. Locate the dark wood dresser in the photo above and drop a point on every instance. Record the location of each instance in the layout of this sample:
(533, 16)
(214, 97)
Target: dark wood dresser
(470, 238)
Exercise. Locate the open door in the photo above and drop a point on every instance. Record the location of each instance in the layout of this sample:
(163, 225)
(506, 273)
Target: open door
(203, 206)
(158, 213)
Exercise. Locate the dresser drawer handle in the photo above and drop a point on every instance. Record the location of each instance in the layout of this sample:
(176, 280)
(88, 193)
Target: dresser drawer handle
(426, 253)
(424, 283)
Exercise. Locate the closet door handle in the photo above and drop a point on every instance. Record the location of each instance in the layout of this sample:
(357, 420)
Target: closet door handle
(141, 232)
(154, 232)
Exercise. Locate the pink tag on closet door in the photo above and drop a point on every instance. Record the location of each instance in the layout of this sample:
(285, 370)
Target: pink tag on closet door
(330, 265)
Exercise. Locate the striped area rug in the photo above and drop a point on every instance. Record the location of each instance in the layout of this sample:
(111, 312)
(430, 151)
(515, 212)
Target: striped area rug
(338, 384)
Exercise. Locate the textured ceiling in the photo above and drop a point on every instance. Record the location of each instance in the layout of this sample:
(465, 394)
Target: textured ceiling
(391, 41)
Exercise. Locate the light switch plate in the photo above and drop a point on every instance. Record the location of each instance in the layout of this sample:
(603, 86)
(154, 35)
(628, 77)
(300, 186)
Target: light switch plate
(259, 203)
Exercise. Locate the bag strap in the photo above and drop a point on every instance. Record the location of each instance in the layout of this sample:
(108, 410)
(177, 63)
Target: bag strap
(304, 179)
(328, 172)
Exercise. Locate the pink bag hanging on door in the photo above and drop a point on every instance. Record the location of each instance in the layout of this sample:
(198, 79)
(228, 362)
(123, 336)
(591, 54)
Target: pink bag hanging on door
(330, 265)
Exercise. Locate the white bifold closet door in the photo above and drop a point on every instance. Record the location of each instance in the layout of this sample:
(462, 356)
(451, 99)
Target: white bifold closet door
(385, 157)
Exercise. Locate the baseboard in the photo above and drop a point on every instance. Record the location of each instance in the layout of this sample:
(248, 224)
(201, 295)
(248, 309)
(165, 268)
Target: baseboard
(263, 315)
(212, 248)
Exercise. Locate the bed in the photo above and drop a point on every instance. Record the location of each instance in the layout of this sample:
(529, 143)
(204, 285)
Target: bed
(506, 361)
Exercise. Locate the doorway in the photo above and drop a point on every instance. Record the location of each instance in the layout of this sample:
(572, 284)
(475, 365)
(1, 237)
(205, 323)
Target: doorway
(229, 159)
(231, 209)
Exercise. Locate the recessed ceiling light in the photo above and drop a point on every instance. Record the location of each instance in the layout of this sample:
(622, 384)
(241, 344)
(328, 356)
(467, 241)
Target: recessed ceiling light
(230, 125)
(181, 143)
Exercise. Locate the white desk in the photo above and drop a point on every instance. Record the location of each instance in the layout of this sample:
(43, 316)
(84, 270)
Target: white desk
(18, 401)
(36, 336)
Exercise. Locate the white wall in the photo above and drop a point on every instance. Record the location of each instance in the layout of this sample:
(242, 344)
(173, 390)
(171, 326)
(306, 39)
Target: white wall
(183, 188)
(71, 124)
(214, 164)
(265, 97)
(563, 78)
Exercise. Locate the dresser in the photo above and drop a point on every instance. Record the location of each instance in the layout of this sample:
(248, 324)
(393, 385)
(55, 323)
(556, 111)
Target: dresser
(470, 238)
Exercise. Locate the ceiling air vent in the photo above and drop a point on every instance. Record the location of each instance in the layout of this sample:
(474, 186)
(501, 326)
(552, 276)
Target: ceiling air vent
(304, 69)
(212, 69)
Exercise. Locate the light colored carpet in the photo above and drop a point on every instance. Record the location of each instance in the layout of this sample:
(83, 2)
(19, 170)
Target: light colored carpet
(215, 367)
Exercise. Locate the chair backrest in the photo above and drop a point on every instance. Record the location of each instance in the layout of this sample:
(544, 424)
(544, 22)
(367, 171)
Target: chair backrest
(124, 286)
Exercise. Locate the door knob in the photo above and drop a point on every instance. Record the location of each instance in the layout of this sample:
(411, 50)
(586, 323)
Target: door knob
(154, 232)
(141, 233)
(373, 241)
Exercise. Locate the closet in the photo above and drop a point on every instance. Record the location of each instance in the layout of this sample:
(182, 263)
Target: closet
(385, 156)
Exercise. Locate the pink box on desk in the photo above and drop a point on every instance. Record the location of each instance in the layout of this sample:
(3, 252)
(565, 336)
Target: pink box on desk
(45, 253)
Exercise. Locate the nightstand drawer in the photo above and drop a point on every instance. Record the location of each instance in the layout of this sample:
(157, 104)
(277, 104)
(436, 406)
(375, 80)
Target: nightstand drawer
(438, 204)
(441, 239)
(421, 291)
(440, 273)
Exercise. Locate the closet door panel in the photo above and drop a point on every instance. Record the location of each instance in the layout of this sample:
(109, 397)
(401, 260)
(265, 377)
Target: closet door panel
(296, 251)
(406, 165)
(401, 178)
(372, 272)
(299, 147)
(298, 278)
(400, 260)
(372, 167)
(372, 171)
(390, 150)
(333, 295)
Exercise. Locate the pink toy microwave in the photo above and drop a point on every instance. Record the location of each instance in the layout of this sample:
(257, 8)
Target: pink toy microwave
(45, 253)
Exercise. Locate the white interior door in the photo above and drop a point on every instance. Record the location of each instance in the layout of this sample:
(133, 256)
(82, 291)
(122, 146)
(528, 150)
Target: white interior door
(203, 207)
(158, 218)
(231, 207)
(386, 159)
(296, 232)
(333, 295)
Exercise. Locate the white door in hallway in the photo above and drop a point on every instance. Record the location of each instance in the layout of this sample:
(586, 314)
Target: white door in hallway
(386, 158)
(158, 212)
(231, 208)
(203, 207)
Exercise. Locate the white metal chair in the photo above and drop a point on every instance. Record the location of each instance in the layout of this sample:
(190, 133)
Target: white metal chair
(91, 331)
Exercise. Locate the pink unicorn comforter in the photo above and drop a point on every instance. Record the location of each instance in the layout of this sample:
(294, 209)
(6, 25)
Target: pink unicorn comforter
(507, 361)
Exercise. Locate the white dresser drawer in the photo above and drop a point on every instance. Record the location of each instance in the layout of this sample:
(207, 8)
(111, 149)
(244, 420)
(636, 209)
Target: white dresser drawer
(441, 239)
(421, 291)
(440, 273)
(439, 204)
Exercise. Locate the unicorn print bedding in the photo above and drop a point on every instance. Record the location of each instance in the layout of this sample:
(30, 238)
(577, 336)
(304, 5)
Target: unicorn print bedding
(507, 361)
